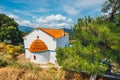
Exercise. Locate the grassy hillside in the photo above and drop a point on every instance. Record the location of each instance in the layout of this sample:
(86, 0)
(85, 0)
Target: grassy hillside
(13, 69)
(42, 74)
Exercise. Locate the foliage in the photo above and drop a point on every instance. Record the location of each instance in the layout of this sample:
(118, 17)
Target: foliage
(9, 32)
(113, 8)
(99, 36)
(11, 51)
(3, 63)
(2, 45)
(74, 60)
(94, 43)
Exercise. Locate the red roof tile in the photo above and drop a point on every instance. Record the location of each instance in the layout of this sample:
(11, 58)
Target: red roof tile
(55, 33)
(38, 46)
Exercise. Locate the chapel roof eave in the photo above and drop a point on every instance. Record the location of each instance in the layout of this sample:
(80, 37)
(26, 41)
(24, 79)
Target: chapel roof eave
(48, 32)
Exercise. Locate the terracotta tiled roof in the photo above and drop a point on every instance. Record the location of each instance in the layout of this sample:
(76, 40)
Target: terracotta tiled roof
(55, 33)
(38, 46)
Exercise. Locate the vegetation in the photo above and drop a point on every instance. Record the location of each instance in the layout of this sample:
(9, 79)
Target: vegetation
(46, 74)
(9, 32)
(96, 44)
(114, 7)
(11, 51)
(8, 58)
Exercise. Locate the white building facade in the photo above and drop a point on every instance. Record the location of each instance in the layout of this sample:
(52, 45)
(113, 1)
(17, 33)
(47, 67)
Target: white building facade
(40, 44)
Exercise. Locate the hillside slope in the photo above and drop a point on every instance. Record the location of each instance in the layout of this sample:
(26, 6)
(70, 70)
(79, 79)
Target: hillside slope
(43, 74)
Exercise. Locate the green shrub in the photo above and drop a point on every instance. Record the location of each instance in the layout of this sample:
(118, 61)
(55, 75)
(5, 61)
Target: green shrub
(3, 63)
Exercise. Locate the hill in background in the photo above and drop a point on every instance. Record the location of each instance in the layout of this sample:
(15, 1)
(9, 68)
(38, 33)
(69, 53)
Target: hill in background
(25, 28)
(29, 29)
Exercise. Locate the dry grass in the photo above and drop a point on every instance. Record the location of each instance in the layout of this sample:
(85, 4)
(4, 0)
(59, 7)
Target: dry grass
(22, 74)
(43, 74)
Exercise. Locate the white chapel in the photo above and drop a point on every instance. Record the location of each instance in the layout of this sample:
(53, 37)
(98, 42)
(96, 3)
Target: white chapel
(40, 44)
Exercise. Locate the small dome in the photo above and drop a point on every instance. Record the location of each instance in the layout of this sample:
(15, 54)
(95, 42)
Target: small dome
(38, 46)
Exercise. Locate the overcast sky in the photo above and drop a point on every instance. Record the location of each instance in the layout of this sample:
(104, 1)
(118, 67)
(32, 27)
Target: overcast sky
(50, 13)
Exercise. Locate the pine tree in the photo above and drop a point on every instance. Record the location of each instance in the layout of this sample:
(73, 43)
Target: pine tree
(95, 44)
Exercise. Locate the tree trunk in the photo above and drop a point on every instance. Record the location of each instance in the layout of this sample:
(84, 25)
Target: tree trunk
(93, 77)
(114, 8)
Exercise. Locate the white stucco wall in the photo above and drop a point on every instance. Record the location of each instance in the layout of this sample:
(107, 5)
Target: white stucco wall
(62, 42)
(41, 58)
(27, 53)
(48, 40)
(53, 58)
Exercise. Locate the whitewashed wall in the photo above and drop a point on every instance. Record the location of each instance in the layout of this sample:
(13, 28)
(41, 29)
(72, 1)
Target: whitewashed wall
(41, 58)
(62, 42)
(53, 58)
(27, 53)
(48, 40)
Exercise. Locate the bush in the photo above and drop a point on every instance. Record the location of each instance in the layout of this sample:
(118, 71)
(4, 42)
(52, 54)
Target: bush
(3, 62)
(12, 51)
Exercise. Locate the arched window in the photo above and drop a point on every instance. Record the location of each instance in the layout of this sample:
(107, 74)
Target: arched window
(34, 57)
